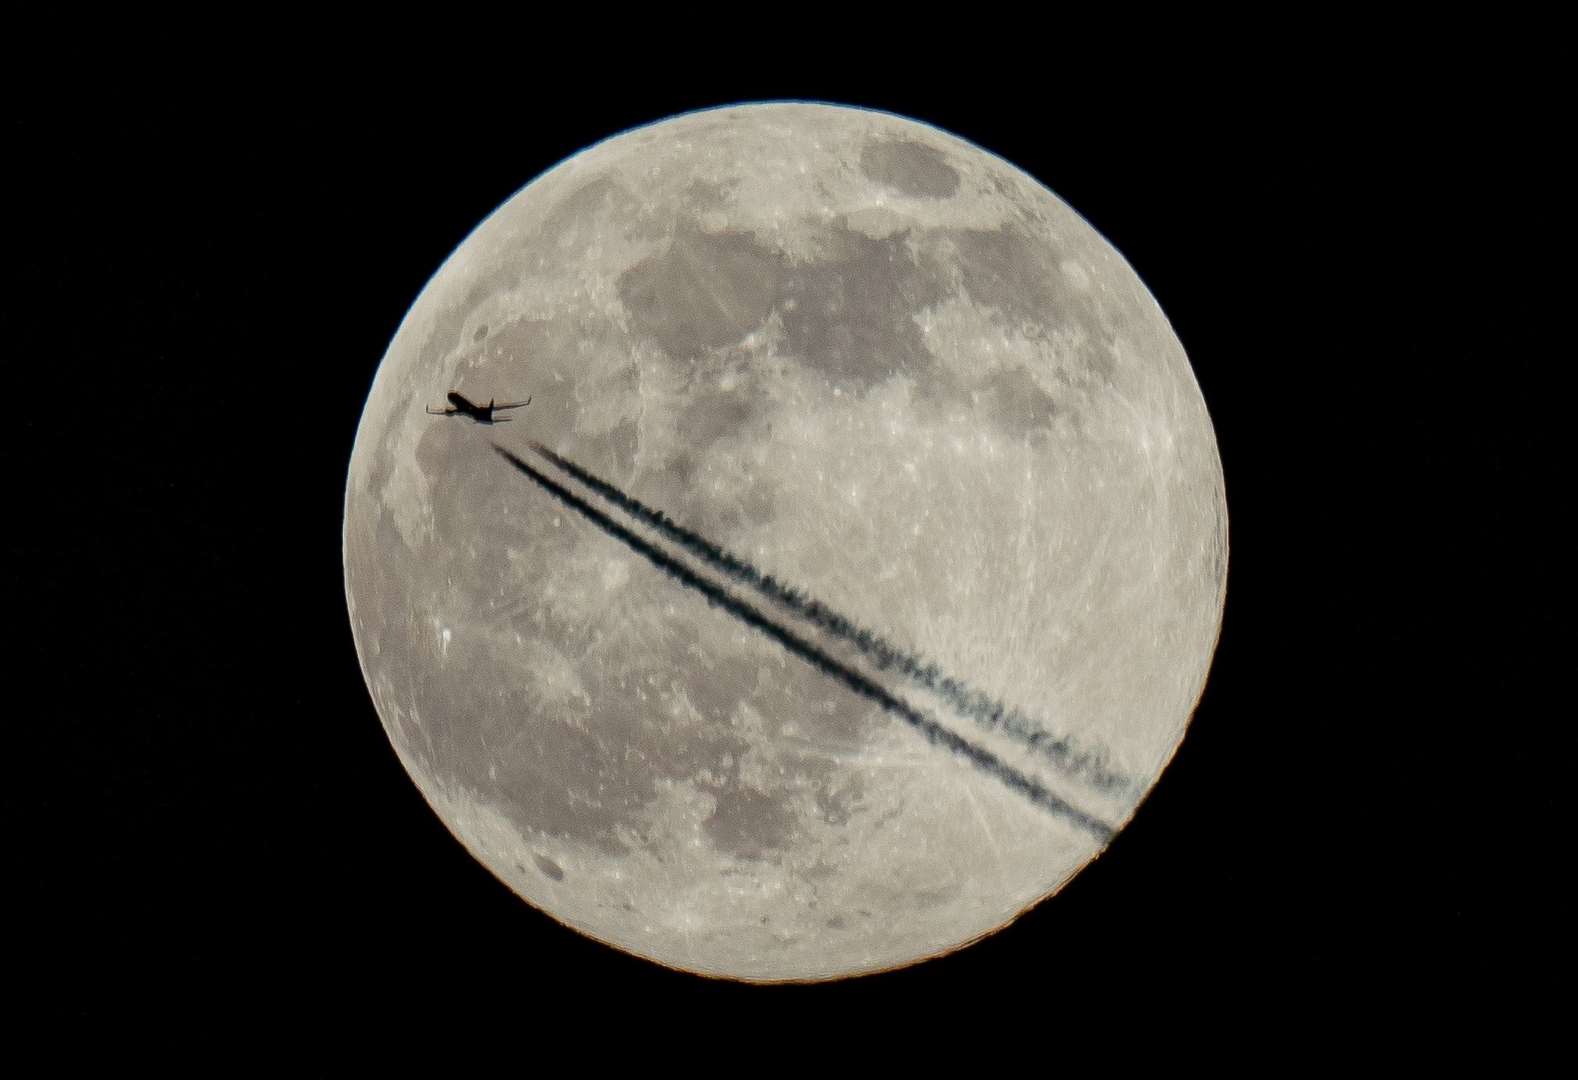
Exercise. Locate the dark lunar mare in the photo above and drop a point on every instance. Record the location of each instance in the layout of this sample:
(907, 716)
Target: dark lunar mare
(968, 702)
(715, 596)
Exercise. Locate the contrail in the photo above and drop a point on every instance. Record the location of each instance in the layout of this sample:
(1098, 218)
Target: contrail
(966, 701)
(935, 733)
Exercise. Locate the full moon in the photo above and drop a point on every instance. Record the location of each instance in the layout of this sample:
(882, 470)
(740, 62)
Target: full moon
(851, 575)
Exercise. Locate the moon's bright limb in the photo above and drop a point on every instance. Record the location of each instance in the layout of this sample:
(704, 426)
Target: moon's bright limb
(861, 477)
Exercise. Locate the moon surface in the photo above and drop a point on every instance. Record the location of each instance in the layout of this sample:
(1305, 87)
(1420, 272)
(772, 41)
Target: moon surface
(851, 576)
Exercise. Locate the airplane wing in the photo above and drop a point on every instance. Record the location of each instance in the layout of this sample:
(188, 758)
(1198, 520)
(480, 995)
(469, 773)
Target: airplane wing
(512, 404)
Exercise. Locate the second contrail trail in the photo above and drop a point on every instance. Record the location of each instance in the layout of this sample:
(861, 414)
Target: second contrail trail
(934, 732)
(964, 699)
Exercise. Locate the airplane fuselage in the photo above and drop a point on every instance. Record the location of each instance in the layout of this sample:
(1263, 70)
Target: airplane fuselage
(482, 414)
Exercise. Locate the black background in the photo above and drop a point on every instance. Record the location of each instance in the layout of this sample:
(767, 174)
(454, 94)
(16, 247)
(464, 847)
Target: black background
(1365, 820)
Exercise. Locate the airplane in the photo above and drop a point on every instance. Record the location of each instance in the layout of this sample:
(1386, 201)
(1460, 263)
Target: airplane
(482, 414)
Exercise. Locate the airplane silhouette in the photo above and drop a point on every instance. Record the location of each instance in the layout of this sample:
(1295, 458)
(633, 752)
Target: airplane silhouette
(482, 414)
